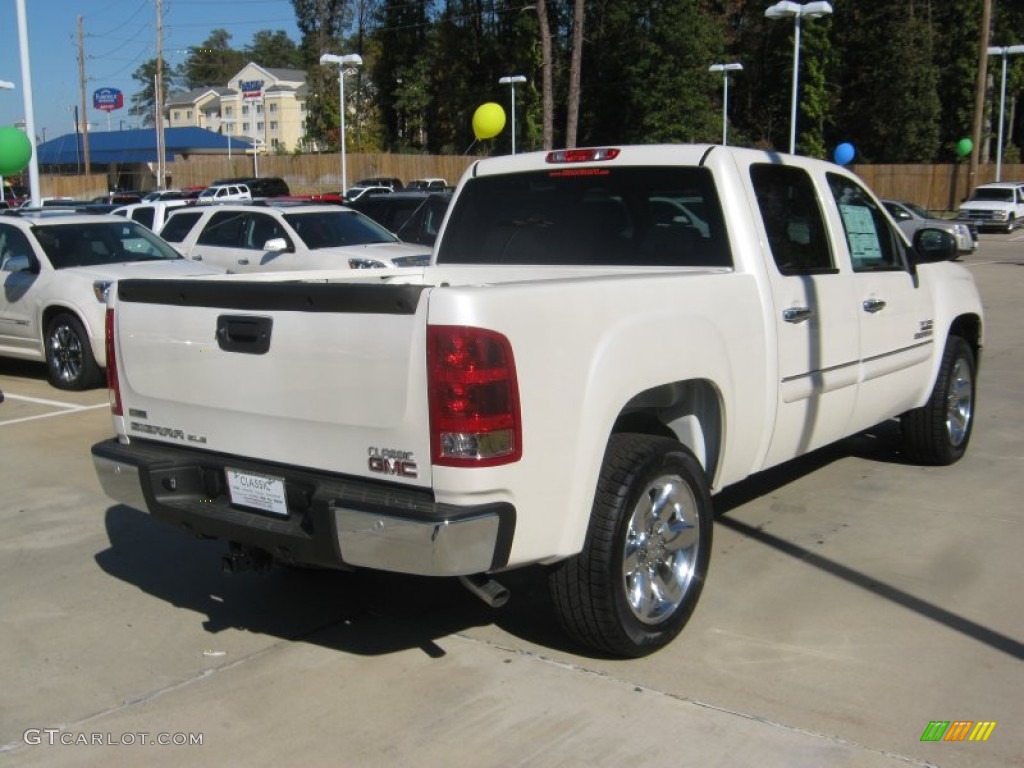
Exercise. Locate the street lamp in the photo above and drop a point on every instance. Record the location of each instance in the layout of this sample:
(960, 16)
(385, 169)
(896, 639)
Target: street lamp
(355, 60)
(725, 69)
(784, 10)
(7, 85)
(1006, 51)
(510, 81)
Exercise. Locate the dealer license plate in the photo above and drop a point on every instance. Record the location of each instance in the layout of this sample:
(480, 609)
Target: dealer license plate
(263, 492)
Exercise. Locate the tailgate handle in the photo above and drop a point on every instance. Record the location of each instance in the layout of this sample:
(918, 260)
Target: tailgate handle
(244, 333)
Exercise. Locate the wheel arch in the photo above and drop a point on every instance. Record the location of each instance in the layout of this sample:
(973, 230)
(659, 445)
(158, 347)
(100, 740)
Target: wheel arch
(52, 310)
(969, 328)
(689, 411)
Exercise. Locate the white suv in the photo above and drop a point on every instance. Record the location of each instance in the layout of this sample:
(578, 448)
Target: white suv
(151, 215)
(56, 268)
(225, 193)
(287, 236)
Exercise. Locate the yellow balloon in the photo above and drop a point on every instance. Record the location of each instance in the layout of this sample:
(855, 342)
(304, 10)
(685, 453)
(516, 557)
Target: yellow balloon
(488, 120)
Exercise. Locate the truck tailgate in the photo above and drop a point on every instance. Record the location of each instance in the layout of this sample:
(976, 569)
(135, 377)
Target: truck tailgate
(313, 374)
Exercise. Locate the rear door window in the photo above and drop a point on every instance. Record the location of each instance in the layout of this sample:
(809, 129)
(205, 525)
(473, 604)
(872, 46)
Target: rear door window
(224, 229)
(792, 219)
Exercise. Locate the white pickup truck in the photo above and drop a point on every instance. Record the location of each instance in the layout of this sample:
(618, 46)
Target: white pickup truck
(999, 205)
(603, 339)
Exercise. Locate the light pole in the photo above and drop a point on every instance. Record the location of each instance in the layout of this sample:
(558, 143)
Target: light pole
(785, 10)
(510, 81)
(6, 85)
(1006, 51)
(725, 69)
(26, 95)
(355, 60)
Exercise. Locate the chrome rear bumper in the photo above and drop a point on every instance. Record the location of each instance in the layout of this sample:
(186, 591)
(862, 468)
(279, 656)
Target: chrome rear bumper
(332, 521)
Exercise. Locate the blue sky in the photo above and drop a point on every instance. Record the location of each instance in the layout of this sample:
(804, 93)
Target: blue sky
(119, 36)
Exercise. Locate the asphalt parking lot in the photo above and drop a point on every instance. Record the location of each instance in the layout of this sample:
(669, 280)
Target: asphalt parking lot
(852, 601)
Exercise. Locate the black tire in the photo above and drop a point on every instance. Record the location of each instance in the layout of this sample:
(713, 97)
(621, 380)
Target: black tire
(630, 591)
(939, 431)
(69, 360)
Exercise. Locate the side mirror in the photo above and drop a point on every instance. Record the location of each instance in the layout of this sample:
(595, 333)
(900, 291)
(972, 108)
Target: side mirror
(18, 263)
(276, 244)
(934, 245)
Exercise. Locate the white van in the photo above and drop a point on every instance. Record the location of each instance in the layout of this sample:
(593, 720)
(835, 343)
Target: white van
(225, 193)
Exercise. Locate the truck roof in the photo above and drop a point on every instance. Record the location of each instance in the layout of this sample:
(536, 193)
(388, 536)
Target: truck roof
(647, 154)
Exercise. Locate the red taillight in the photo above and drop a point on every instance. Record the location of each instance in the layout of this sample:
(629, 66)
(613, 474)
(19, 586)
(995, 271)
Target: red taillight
(582, 155)
(114, 387)
(474, 398)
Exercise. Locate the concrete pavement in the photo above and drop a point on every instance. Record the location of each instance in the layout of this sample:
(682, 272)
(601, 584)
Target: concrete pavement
(852, 600)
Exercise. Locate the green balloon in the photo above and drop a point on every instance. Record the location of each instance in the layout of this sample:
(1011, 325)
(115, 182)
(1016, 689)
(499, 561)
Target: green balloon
(15, 150)
(964, 147)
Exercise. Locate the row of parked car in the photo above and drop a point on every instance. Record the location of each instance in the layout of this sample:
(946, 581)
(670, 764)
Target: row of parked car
(56, 265)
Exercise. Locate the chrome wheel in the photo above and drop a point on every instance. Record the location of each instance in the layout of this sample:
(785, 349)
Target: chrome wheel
(662, 538)
(69, 360)
(938, 432)
(959, 402)
(65, 352)
(639, 576)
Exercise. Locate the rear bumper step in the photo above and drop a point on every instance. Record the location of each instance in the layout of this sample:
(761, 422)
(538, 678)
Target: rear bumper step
(332, 521)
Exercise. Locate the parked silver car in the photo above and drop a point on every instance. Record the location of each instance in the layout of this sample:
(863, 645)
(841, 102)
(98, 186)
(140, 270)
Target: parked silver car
(911, 217)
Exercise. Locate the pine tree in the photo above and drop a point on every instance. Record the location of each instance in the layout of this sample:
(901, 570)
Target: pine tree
(212, 62)
(321, 23)
(143, 101)
(888, 80)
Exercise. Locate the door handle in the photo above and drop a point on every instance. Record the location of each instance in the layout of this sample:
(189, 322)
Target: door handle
(243, 261)
(197, 257)
(243, 333)
(873, 305)
(797, 314)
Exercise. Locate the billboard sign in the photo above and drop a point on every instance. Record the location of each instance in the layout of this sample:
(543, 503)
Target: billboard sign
(251, 89)
(107, 99)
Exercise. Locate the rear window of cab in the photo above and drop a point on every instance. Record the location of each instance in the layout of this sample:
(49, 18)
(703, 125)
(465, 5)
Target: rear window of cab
(595, 216)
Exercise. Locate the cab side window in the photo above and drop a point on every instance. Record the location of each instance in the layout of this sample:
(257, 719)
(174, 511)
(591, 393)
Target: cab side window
(872, 243)
(261, 229)
(13, 243)
(792, 219)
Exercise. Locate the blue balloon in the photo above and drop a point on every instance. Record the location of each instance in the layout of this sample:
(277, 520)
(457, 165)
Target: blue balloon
(844, 153)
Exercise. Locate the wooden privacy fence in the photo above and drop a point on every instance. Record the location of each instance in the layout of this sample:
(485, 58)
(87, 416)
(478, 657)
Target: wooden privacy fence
(305, 174)
(309, 174)
(938, 188)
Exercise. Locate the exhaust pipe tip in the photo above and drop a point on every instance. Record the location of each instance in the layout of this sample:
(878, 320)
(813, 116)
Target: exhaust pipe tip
(487, 589)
